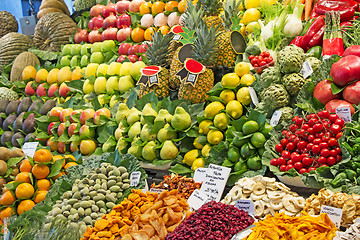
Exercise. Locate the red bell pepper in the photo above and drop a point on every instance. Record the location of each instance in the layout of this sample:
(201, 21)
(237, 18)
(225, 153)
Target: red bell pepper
(297, 41)
(346, 8)
(313, 36)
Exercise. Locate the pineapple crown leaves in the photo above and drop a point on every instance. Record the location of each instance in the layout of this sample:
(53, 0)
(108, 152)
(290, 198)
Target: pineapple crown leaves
(187, 36)
(211, 7)
(193, 15)
(231, 16)
(158, 50)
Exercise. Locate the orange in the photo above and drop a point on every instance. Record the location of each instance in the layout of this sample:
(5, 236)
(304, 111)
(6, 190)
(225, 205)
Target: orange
(42, 156)
(5, 189)
(41, 76)
(145, 8)
(57, 157)
(43, 184)
(148, 33)
(28, 73)
(25, 166)
(7, 212)
(182, 6)
(24, 190)
(59, 175)
(164, 29)
(169, 6)
(40, 196)
(70, 164)
(40, 171)
(23, 177)
(137, 35)
(24, 206)
(7, 198)
(158, 7)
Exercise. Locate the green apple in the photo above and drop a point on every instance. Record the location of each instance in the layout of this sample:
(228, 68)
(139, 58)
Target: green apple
(114, 69)
(100, 85)
(102, 69)
(107, 46)
(97, 57)
(85, 48)
(75, 61)
(126, 68)
(112, 84)
(96, 47)
(91, 69)
(75, 49)
(66, 50)
(113, 101)
(65, 61)
(88, 87)
(84, 61)
(125, 83)
(135, 69)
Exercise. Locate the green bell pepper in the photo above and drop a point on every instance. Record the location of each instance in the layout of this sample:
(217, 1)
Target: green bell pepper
(350, 174)
(317, 51)
(339, 179)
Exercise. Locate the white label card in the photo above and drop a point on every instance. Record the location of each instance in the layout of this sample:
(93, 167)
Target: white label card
(306, 70)
(177, 37)
(274, 121)
(253, 96)
(199, 175)
(135, 178)
(215, 181)
(29, 148)
(197, 199)
(246, 205)
(334, 214)
(156, 190)
(344, 113)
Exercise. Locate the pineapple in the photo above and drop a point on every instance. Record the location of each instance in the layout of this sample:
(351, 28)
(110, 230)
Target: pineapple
(212, 12)
(157, 54)
(205, 48)
(231, 19)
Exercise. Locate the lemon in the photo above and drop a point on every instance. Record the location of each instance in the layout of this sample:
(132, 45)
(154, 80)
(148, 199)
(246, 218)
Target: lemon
(252, 4)
(243, 96)
(213, 108)
(227, 95)
(234, 109)
(266, 3)
(221, 121)
(214, 137)
(251, 15)
(242, 68)
(197, 144)
(247, 79)
(230, 80)
(204, 126)
(206, 150)
(252, 27)
(198, 163)
(242, 30)
(190, 157)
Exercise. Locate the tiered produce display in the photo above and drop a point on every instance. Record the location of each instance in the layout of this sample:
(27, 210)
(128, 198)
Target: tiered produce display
(159, 120)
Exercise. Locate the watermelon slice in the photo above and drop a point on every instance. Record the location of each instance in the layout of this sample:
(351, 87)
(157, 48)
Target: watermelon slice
(177, 29)
(194, 66)
(150, 70)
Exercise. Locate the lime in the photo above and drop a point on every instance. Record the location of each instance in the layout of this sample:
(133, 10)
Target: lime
(238, 142)
(242, 68)
(246, 151)
(213, 108)
(230, 80)
(247, 79)
(258, 140)
(250, 127)
(233, 154)
(234, 109)
(254, 163)
(240, 166)
(227, 95)
(266, 130)
(243, 96)
(261, 151)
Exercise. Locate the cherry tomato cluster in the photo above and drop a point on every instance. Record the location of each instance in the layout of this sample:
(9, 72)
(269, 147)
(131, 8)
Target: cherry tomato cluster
(262, 60)
(310, 143)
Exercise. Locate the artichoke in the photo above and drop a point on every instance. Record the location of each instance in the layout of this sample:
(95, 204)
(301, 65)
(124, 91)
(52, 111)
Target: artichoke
(275, 96)
(293, 83)
(314, 62)
(269, 76)
(291, 59)
(287, 114)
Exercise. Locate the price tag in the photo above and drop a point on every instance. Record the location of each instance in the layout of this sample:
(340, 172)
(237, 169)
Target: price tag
(197, 199)
(344, 113)
(246, 205)
(334, 214)
(215, 181)
(306, 70)
(156, 190)
(29, 148)
(199, 175)
(274, 121)
(135, 178)
(253, 96)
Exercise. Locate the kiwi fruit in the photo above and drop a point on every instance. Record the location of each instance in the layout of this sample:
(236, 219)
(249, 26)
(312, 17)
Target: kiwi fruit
(15, 171)
(3, 167)
(2, 183)
(4, 154)
(17, 152)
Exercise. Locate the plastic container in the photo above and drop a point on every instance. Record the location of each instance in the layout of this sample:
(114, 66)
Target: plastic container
(259, 70)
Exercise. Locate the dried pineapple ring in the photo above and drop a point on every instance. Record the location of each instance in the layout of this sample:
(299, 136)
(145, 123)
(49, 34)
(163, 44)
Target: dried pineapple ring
(276, 205)
(267, 180)
(255, 197)
(275, 195)
(259, 208)
(299, 202)
(259, 188)
(291, 214)
(235, 193)
(272, 186)
(288, 203)
(227, 199)
(246, 195)
(266, 199)
(268, 209)
(246, 191)
(258, 178)
(245, 182)
(283, 187)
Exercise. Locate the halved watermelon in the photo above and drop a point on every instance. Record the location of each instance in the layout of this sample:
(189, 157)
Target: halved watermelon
(194, 66)
(150, 70)
(177, 29)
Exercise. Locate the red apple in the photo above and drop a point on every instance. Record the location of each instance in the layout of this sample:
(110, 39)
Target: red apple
(51, 126)
(65, 113)
(86, 114)
(94, 36)
(108, 10)
(142, 56)
(53, 144)
(110, 21)
(71, 129)
(121, 58)
(122, 34)
(123, 21)
(55, 112)
(122, 7)
(134, 50)
(103, 111)
(87, 147)
(63, 90)
(96, 23)
(74, 146)
(61, 129)
(124, 48)
(96, 10)
(133, 58)
(73, 113)
(29, 90)
(86, 132)
(135, 5)
(109, 34)
(61, 147)
(142, 48)
(81, 36)
(41, 90)
(52, 89)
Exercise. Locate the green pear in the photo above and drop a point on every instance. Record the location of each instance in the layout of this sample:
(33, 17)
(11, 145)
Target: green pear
(122, 112)
(163, 116)
(112, 85)
(135, 148)
(100, 85)
(107, 146)
(88, 87)
(164, 134)
(147, 111)
(181, 119)
(135, 69)
(134, 130)
(148, 152)
(134, 116)
(145, 134)
(125, 83)
(121, 145)
(113, 100)
(119, 132)
(125, 68)
(169, 150)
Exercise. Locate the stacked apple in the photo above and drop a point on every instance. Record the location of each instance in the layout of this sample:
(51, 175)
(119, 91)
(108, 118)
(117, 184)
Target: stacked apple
(131, 52)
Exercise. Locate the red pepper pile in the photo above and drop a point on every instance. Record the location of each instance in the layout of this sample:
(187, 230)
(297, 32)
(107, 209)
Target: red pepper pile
(310, 143)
